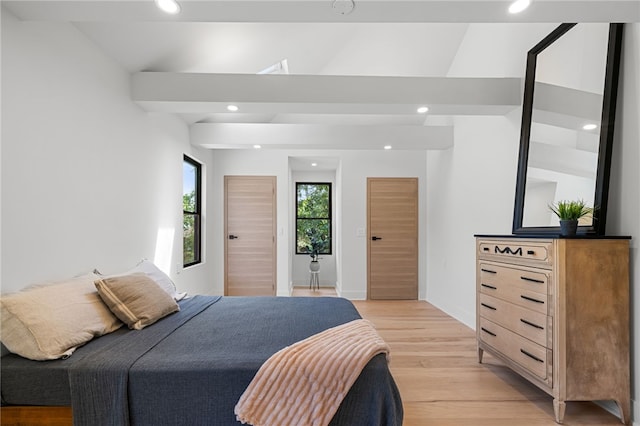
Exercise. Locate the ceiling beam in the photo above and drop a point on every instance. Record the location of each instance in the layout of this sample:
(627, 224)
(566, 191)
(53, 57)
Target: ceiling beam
(198, 93)
(322, 11)
(314, 136)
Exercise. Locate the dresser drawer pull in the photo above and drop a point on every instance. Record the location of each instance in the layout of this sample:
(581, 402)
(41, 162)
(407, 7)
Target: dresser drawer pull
(488, 271)
(533, 280)
(489, 286)
(531, 324)
(507, 250)
(531, 299)
(485, 248)
(531, 356)
(489, 306)
(488, 332)
(531, 252)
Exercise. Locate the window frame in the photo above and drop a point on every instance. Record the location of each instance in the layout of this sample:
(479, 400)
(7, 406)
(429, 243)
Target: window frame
(196, 214)
(329, 218)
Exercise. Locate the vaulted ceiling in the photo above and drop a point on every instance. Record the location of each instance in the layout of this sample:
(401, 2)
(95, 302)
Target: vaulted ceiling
(341, 78)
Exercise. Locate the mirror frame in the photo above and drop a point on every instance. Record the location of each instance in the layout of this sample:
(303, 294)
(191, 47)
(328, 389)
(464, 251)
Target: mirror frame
(607, 124)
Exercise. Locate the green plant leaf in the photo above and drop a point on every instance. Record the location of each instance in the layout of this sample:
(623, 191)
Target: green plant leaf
(570, 210)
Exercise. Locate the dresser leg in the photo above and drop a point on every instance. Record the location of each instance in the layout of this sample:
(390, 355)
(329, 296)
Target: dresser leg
(625, 411)
(558, 408)
(480, 353)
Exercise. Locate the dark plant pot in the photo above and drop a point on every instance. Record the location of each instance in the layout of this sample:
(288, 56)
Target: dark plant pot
(568, 227)
(314, 266)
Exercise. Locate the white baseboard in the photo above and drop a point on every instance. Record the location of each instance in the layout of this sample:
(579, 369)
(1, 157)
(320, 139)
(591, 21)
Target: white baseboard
(635, 412)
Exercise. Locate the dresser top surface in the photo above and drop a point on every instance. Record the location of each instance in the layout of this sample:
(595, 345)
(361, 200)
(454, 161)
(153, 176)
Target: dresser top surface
(551, 237)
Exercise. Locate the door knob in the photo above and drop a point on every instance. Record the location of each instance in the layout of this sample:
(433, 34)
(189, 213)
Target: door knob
(376, 238)
(233, 237)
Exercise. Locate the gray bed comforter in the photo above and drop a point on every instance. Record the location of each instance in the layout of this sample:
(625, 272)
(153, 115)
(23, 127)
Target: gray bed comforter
(191, 367)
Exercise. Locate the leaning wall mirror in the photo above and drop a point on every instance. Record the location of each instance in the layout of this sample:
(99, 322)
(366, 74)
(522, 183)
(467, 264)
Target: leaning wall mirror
(568, 117)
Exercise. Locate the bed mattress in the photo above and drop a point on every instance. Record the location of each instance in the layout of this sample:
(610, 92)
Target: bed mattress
(193, 370)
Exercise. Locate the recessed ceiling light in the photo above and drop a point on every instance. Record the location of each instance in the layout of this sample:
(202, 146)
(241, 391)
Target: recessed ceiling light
(314, 164)
(232, 107)
(257, 146)
(519, 5)
(423, 109)
(168, 6)
(590, 126)
(387, 147)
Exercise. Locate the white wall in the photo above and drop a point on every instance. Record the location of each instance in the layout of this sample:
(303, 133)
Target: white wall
(471, 190)
(355, 167)
(489, 50)
(89, 180)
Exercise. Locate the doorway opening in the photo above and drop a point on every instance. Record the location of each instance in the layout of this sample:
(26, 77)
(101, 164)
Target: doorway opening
(313, 229)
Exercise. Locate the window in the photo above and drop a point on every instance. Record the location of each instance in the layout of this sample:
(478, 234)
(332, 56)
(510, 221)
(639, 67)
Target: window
(192, 211)
(313, 218)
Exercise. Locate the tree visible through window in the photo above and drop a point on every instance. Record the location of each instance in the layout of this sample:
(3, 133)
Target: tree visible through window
(313, 218)
(191, 207)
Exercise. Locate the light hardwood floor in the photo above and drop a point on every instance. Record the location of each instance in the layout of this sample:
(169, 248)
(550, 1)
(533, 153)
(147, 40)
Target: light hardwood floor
(435, 364)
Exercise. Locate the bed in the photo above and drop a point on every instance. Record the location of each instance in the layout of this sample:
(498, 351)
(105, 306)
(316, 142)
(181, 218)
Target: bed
(192, 366)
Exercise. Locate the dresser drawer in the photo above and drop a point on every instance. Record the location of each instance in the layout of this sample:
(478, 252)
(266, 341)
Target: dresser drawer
(534, 358)
(529, 324)
(535, 252)
(526, 288)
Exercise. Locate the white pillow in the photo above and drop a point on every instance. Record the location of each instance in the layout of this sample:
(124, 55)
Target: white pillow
(158, 276)
(50, 321)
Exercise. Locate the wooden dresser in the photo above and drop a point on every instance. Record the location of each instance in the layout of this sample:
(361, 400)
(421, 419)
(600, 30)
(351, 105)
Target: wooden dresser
(556, 311)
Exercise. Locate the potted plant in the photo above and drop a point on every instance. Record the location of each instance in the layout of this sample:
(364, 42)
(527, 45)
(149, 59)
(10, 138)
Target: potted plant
(315, 244)
(314, 265)
(569, 212)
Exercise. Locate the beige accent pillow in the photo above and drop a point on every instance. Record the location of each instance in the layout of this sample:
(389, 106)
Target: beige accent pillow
(136, 299)
(51, 321)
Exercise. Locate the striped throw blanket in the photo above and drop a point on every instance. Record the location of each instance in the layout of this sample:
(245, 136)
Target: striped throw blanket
(303, 384)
